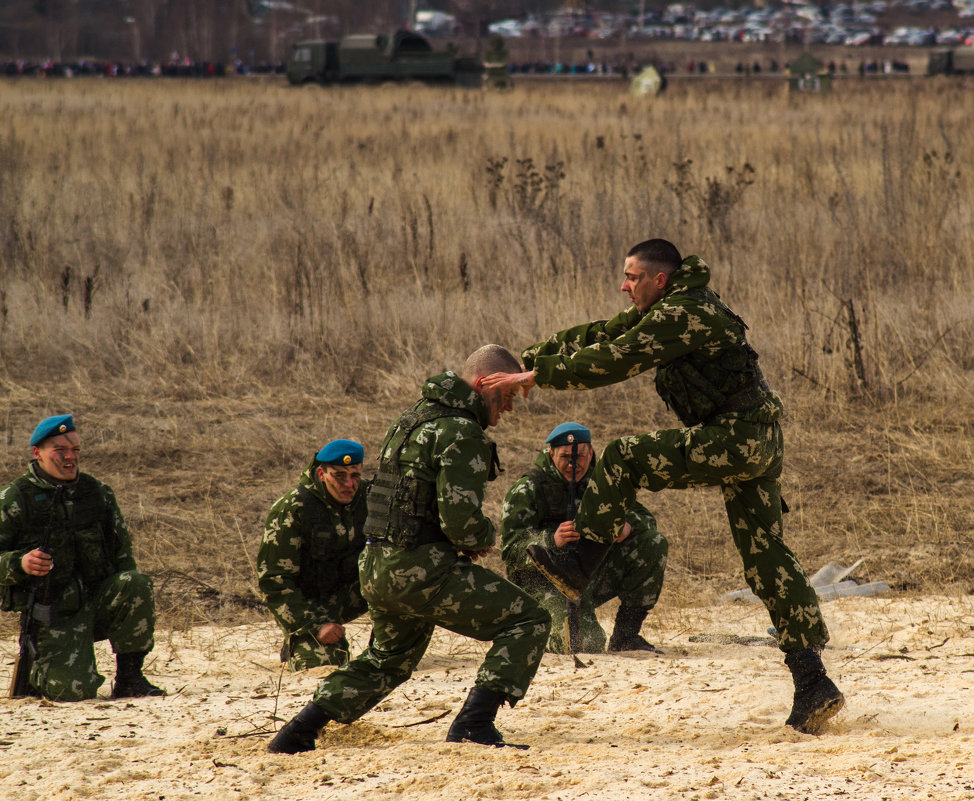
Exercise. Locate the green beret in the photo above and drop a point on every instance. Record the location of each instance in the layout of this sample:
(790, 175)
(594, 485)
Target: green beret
(567, 433)
(51, 427)
(341, 451)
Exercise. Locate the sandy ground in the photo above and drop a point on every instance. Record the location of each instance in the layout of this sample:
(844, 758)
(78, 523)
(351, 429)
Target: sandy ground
(702, 721)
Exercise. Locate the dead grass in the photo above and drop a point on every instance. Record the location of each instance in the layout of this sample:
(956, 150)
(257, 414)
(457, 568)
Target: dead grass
(216, 279)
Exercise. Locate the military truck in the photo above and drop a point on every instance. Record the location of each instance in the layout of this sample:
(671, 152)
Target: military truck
(959, 61)
(404, 56)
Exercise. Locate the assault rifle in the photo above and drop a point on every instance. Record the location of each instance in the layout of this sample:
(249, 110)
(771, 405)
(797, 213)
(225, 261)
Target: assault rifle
(573, 617)
(38, 610)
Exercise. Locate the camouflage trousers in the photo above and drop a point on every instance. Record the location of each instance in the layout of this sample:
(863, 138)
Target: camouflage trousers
(121, 610)
(632, 572)
(410, 593)
(302, 650)
(744, 459)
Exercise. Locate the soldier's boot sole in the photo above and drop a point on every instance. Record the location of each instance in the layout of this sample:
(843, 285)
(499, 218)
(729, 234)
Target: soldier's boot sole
(815, 706)
(474, 722)
(139, 687)
(637, 643)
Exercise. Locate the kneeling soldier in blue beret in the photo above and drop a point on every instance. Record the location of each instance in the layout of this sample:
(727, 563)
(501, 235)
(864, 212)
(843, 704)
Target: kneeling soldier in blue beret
(538, 510)
(307, 566)
(65, 552)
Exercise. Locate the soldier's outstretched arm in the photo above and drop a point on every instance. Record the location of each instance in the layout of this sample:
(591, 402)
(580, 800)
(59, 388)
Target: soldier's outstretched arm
(567, 342)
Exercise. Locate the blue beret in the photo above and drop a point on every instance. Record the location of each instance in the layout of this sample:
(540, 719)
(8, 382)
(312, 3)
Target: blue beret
(51, 427)
(341, 451)
(560, 434)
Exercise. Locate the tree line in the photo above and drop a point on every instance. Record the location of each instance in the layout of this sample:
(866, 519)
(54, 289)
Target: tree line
(251, 31)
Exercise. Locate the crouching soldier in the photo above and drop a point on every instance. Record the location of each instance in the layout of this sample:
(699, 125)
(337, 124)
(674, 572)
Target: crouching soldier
(538, 510)
(307, 566)
(89, 588)
(425, 527)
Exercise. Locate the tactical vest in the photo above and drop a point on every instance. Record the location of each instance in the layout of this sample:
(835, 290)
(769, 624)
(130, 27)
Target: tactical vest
(552, 498)
(403, 509)
(700, 385)
(326, 561)
(83, 546)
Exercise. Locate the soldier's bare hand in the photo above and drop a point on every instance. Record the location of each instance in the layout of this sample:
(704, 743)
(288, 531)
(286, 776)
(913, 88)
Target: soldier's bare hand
(37, 563)
(523, 381)
(566, 533)
(330, 633)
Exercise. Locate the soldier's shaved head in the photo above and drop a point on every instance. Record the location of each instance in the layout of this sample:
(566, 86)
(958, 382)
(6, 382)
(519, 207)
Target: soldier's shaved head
(487, 360)
(659, 253)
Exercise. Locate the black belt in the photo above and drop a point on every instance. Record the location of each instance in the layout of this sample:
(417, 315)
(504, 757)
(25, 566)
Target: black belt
(425, 536)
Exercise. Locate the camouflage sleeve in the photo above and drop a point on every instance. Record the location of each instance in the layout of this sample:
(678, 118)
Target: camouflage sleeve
(10, 570)
(672, 328)
(567, 342)
(462, 456)
(520, 519)
(641, 520)
(279, 564)
(123, 558)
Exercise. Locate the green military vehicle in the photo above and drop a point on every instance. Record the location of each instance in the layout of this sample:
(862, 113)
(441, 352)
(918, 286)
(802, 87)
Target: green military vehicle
(405, 56)
(959, 61)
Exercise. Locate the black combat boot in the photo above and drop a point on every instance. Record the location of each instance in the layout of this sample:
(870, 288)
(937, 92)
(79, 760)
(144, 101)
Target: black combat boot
(570, 570)
(475, 721)
(625, 635)
(129, 681)
(299, 733)
(817, 699)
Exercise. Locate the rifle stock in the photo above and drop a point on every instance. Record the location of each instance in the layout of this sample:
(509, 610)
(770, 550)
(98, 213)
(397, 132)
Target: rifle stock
(35, 612)
(20, 680)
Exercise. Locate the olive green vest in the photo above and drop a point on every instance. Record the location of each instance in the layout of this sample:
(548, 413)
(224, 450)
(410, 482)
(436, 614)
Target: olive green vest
(326, 561)
(703, 384)
(82, 542)
(552, 498)
(403, 509)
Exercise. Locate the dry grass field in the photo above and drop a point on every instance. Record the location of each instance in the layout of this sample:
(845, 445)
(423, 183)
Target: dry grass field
(217, 278)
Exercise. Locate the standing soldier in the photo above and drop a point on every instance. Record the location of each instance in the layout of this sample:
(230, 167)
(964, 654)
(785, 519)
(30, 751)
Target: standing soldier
(425, 525)
(709, 375)
(538, 510)
(90, 586)
(307, 565)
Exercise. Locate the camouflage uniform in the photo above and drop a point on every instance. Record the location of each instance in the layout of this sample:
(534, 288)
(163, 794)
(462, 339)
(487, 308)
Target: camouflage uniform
(307, 568)
(94, 586)
(415, 576)
(632, 570)
(708, 374)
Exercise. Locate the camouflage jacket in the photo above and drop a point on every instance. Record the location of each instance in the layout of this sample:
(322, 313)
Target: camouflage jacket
(524, 513)
(688, 322)
(455, 455)
(309, 554)
(89, 540)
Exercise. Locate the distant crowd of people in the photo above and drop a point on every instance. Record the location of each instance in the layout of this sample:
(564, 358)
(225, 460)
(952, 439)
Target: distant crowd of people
(631, 67)
(185, 68)
(175, 68)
